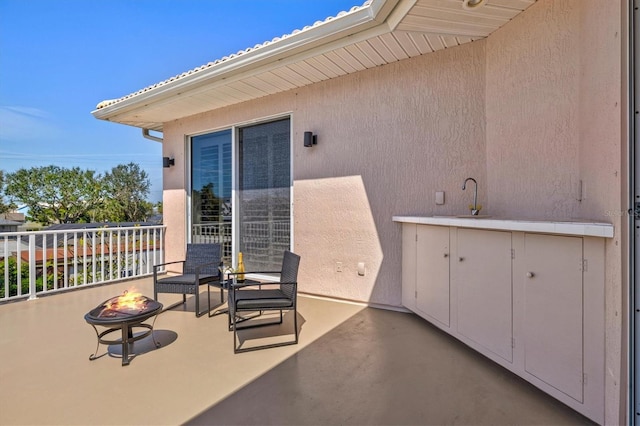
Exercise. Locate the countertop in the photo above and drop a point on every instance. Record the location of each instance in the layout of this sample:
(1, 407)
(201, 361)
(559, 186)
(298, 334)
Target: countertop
(581, 227)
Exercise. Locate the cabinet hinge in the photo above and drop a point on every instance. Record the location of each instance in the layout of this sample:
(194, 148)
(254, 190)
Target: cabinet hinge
(584, 379)
(513, 254)
(585, 265)
(416, 237)
(513, 342)
(416, 294)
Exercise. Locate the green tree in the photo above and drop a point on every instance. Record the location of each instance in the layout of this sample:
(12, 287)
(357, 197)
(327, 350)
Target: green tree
(127, 187)
(5, 206)
(55, 194)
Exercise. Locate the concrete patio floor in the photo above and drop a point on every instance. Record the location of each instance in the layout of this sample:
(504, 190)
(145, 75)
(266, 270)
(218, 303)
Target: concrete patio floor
(353, 365)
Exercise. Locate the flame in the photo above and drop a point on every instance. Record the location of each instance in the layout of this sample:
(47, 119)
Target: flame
(129, 300)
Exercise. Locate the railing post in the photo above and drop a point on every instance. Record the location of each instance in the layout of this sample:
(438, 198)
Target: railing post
(32, 267)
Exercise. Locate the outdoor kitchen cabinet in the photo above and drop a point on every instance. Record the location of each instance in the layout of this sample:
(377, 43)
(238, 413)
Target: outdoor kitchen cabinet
(425, 272)
(531, 301)
(481, 273)
(432, 273)
(561, 279)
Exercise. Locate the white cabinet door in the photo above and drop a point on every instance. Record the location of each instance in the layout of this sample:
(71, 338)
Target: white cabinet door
(409, 266)
(432, 278)
(553, 322)
(482, 274)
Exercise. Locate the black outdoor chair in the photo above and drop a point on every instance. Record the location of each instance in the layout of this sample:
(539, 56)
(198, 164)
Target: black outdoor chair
(201, 266)
(269, 296)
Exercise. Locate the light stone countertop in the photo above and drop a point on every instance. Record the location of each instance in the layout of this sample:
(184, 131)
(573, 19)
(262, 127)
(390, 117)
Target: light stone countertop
(581, 227)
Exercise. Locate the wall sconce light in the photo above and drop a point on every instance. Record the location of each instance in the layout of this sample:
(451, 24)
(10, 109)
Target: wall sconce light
(310, 139)
(168, 162)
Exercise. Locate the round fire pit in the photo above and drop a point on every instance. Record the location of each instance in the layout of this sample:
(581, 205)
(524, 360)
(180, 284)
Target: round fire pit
(123, 313)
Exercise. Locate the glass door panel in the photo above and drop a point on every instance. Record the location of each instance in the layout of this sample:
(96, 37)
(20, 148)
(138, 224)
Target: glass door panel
(264, 194)
(211, 202)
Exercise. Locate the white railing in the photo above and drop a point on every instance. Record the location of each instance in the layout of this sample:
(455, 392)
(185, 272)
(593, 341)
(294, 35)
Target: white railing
(36, 263)
(214, 232)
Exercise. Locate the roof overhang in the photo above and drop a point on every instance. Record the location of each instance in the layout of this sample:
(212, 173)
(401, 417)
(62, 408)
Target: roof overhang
(375, 34)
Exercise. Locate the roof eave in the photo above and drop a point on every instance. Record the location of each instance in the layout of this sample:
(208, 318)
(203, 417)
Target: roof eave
(376, 14)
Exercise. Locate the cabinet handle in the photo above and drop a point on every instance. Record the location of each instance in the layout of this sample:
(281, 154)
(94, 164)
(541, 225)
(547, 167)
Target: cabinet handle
(530, 275)
(446, 255)
(461, 259)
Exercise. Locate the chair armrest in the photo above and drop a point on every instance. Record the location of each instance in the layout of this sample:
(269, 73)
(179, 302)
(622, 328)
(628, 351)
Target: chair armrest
(252, 272)
(234, 286)
(155, 267)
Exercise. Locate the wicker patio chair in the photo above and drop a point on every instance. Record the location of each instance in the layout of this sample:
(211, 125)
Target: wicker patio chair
(201, 266)
(267, 296)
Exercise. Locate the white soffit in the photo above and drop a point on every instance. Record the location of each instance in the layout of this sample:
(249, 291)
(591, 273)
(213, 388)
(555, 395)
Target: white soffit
(377, 33)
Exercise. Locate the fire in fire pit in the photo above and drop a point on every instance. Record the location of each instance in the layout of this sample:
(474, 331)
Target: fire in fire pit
(124, 313)
(127, 304)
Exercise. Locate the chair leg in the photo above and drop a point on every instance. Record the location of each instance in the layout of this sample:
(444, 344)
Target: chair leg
(235, 331)
(197, 302)
(295, 322)
(233, 327)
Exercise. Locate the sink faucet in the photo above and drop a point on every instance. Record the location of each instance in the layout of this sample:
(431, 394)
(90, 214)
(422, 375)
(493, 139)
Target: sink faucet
(475, 210)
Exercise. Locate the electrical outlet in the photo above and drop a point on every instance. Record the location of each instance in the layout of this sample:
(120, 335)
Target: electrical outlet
(338, 266)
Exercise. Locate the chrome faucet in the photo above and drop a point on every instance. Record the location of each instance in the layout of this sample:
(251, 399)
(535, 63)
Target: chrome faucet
(474, 210)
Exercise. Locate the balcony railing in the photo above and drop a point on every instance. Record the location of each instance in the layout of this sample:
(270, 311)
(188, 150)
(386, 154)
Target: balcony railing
(36, 263)
(214, 232)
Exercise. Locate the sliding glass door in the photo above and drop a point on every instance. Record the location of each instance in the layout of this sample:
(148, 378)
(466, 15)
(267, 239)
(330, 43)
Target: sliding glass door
(251, 213)
(264, 194)
(211, 201)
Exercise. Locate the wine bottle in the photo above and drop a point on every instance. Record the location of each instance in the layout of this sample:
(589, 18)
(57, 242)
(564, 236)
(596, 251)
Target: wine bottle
(240, 269)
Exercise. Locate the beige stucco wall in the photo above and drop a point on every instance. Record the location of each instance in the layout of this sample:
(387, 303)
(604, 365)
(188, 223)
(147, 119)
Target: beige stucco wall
(554, 119)
(383, 149)
(531, 113)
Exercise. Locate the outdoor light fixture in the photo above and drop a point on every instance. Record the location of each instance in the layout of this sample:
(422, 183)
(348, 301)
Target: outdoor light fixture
(310, 139)
(168, 162)
(472, 4)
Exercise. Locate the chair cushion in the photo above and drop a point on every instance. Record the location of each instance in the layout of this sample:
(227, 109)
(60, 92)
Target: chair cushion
(265, 299)
(187, 279)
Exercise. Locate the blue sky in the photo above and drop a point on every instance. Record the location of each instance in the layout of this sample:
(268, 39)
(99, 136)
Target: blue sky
(60, 58)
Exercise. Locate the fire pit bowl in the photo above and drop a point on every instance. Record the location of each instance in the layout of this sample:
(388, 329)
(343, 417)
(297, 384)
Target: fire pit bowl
(124, 313)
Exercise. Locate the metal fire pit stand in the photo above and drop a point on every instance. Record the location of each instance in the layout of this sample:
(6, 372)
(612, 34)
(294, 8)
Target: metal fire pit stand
(126, 325)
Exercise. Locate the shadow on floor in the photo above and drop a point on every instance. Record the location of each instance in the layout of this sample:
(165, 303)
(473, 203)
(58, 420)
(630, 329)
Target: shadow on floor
(388, 368)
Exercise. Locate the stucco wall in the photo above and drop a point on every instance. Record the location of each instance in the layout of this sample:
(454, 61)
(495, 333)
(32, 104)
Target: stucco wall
(383, 149)
(554, 120)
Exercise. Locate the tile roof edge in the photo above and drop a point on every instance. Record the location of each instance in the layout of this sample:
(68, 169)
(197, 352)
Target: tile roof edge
(226, 59)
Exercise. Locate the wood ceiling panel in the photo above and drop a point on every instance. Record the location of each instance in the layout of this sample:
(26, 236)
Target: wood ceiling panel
(449, 41)
(420, 41)
(232, 94)
(346, 53)
(258, 82)
(433, 25)
(355, 51)
(371, 53)
(408, 44)
(244, 87)
(394, 46)
(307, 70)
(325, 66)
(383, 51)
(348, 64)
(436, 42)
(277, 81)
(291, 75)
